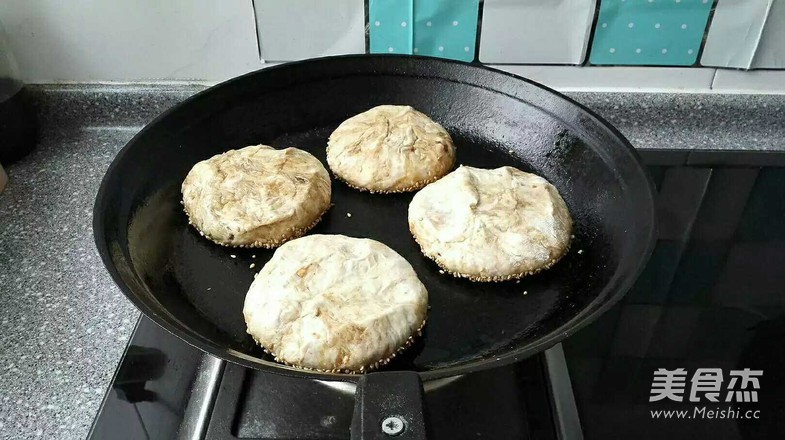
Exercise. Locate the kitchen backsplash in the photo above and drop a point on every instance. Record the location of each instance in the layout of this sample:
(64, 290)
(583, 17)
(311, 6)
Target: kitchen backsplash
(542, 32)
(654, 33)
(559, 40)
(436, 28)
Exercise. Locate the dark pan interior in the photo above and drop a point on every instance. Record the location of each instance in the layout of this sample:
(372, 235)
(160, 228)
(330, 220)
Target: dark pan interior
(196, 289)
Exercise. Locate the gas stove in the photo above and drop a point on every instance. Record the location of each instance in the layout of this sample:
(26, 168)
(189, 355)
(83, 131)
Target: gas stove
(712, 297)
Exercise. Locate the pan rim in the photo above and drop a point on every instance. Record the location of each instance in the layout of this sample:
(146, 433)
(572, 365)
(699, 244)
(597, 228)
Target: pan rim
(614, 290)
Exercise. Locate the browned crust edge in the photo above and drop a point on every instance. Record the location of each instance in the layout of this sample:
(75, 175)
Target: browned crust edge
(270, 244)
(414, 187)
(362, 369)
(420, 184)
(497, 279)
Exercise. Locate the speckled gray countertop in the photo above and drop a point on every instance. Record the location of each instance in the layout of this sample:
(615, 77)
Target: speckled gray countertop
(688, 121)
(64, 324)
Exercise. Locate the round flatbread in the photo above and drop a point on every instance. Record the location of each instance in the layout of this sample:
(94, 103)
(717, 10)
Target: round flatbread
(390, 148)
(491, 225)
(256, 196)
(335, 303)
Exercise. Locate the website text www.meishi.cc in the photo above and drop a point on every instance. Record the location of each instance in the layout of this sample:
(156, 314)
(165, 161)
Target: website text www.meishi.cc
(705, 412)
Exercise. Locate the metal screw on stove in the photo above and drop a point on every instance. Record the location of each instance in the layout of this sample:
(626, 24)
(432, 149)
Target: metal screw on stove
(392, 425)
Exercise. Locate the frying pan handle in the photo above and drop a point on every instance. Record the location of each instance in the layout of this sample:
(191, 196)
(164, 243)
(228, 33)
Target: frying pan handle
(389, 406)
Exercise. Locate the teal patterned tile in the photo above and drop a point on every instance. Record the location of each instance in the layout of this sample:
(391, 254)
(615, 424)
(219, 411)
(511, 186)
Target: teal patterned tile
(446, 28)
(649, 32)
(438, 28)
(390, 26)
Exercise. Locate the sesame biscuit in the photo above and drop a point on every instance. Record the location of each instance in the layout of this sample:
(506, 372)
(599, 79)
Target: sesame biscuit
(491, 225)
(390, 149)
(335, 303)
(256, 196)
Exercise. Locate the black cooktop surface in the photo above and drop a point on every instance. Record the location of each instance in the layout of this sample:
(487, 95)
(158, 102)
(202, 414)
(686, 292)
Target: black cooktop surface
(151, 397)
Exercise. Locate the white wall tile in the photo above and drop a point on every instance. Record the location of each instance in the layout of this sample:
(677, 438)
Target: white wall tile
(298, 29)
(734, 33)
(747, 35)
(535, 31)
(125, 40)
(771, 49)
(617, 79)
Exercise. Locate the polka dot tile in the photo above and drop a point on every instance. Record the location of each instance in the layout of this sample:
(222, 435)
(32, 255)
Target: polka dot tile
(438, 28)
(446, 28)
(649, 32)
(390, 26)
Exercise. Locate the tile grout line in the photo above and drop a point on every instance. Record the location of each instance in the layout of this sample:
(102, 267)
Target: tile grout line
(713, 79)
(257, 31)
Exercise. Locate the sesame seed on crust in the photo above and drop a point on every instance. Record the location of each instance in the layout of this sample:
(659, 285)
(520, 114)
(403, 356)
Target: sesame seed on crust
(413, 187)
(270, 244)
(363, 368)
(475, 277)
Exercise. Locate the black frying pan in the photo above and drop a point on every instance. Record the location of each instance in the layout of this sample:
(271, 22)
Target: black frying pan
(194, 289)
